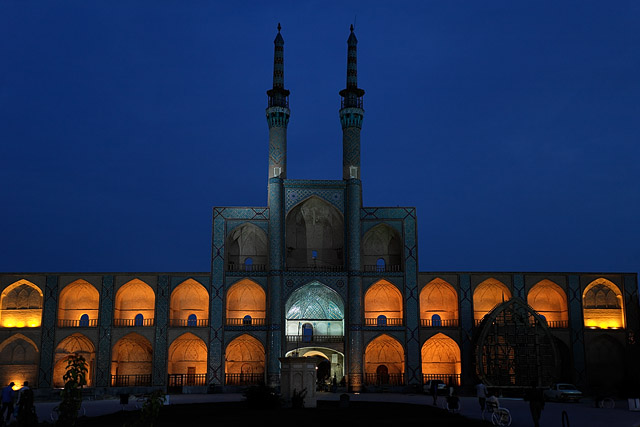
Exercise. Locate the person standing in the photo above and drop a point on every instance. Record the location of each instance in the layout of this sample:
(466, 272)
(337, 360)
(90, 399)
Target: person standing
(434, 391)
(535, 396)
(481, 392)
(7, 401)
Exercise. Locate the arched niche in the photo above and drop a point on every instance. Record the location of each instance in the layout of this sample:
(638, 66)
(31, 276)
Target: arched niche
(316, 306)
(487, 295)
(188, 355)
(605, 357)
(382, 249)
(314, 236)
(550, 301)
(438, 303)
(19, 357)
(21, 305)
(134, 298)
(244, 361)
(131, 361)
(189, 304)
(73, 344)
(602, 305)
(383, 304)
(76, 299)
(247, 248)
(384, 361)
(246, 298)
(441, 359)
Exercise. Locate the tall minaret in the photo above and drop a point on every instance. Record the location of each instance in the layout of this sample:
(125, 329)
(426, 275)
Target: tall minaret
(278, 119)
(278, 114)
(351, 114)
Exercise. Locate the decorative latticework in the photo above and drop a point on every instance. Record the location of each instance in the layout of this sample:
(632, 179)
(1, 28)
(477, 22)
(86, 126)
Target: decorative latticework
(515, 348)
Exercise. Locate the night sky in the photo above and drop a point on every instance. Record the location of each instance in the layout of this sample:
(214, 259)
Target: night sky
(512, 127)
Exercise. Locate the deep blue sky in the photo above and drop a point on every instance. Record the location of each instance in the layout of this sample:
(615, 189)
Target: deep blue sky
(512, 127)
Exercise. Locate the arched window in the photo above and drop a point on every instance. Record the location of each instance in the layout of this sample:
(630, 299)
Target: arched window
(382, 320)
(192, 320)
(602, 305)
(246, 320)
(84, 320)
(139, 320)
(248, 264)
(436, 320)
(380, 265)
(307, 332)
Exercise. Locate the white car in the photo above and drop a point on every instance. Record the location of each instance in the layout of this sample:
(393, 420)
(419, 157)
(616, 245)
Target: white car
(563, 392)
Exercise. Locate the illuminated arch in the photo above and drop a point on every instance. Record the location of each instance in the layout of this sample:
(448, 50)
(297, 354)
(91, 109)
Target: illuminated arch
(382, 243)
(77, 299)
(247, 248)
(19, 357)
(438, 298)
(246, 298)
(602, 305)
(73, 344)
(383, 299)
(21, 305)
(244, 360)
(550, 301)
(132, 355)
(189, 298)
(315, 235)
(188, 355)
(441, 358)
(488, 295)
(133, 298)
(384, 361)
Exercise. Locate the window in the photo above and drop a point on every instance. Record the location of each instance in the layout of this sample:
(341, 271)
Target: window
(246, 320)
(84, 320)
(139, 320)
(192, 320)
(380, 265)
(436, 320)
(382, 320)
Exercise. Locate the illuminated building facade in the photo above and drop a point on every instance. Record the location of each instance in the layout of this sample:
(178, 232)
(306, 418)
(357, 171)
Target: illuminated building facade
(315, 273)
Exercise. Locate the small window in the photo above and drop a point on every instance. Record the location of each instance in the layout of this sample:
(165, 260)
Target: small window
(380, 265)
(314, 254)
(248, 264)
(246, 320)
(84, 320)
(382, 320)
(192, 320)
(139, 320)
(436, 320)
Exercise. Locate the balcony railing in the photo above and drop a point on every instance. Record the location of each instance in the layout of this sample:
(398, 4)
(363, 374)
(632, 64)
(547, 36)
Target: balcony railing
(444, 323)
(321, 268)
(178, 380)
(133, 322)
(183, 323)
(387, 321)
(244, 379)
(247, 267)
(131, 380)
(382, 268)
(315, 338)
(445, 378)
(253, 321)
(558, 324)
(384, 379)
(88, 323)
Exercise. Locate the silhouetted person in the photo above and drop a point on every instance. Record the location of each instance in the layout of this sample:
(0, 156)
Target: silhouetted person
(434, 392)
(481, 392)
(7, 401)
(535, 396)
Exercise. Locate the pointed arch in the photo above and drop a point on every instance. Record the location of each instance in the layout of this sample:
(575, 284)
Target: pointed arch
(77, 299)
(488, 295)
(438, 298)
(246, 298)
(131, 361)
(550, 301)
(384, 361)
(188, 356)
(441, 359)
(244, 361)
(132, 299)
(382, 243)
(247, 248)
(314, 310)
(19, 357)
(314, 236)
(603, 305)
(21, 305)
(73, 344)
(190, 298)
(383, 299)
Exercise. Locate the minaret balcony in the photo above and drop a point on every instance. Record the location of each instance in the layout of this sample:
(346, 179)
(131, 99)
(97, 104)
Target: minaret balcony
(439, 323)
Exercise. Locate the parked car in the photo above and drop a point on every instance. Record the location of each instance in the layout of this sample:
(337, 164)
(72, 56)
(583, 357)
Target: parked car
(442, 387)
(563, 392)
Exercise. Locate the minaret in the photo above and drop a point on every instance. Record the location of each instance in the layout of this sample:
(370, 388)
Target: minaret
(278, 119)
(351, 114)
(278, 114)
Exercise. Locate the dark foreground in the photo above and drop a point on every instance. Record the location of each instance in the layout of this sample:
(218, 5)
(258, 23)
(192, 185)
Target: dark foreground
(327, 413)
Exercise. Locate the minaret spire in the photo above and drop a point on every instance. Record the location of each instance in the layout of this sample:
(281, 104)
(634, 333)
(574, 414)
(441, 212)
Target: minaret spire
(278, 113)
(351, 113)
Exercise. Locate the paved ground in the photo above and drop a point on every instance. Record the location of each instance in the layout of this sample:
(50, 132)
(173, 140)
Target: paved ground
(581, 414)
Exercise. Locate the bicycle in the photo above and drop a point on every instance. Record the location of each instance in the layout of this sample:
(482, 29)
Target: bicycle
(499, 416)
(605, 403)
(55, 412)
